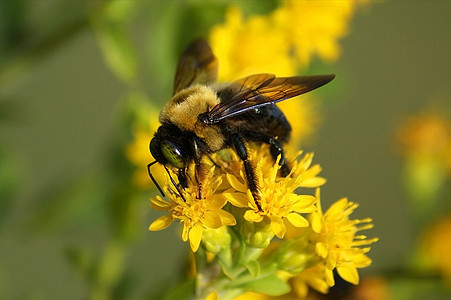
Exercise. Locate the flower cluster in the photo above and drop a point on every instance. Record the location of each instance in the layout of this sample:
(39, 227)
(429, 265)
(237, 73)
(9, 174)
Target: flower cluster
(287, 237)
(282, 42)
(337, 247)
(279, 242)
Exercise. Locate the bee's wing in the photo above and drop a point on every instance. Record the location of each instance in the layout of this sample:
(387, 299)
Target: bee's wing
(262, 89)
(196, 65)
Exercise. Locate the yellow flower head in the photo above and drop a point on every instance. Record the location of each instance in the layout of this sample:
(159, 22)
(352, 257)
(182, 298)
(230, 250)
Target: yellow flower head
(337, 246)
(426, 137)
(435, 246)
(283, 41)
(278, 200)
(196, 214)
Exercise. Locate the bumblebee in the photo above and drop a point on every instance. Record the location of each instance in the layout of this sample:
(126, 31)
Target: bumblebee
(204, 116)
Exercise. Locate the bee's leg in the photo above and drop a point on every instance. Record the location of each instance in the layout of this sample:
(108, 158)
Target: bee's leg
(196, 146)
(275, 148)
(241, 151)
(213, 162)
(182, 178)
(198, 172)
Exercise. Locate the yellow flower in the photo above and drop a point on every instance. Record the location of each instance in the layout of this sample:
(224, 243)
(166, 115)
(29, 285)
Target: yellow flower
(197, 215)
(337, 246)
(373, 288)
(426, 138)
(283, 41)
(424, 142)
(313, 277)
(278, 200)
(245, 47)
(338, 243)
(315, 27)
(435, 247)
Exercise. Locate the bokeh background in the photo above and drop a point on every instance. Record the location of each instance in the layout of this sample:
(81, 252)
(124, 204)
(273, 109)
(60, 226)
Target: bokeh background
(77, 77)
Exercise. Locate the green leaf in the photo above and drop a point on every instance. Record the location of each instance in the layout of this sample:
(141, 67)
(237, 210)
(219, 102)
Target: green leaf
(269, 285)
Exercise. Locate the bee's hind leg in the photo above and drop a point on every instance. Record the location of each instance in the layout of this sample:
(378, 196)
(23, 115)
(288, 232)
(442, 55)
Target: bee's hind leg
(275, 148)
(241, 151)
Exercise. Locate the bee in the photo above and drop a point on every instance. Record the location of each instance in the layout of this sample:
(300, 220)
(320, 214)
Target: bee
(204, 116)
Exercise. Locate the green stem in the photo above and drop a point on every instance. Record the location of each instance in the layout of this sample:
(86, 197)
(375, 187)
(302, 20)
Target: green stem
(109, 270)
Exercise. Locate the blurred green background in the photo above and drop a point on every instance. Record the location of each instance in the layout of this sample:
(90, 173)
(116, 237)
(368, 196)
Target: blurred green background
(64, 121)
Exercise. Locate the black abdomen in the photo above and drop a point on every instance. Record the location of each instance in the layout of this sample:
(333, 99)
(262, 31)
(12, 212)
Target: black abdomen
(268, 120)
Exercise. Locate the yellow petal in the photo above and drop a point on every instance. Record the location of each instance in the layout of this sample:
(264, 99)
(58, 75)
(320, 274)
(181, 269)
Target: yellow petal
(252, 216)
(313, 182)
(317, 222)
(195, 235)
(212, 219)
(185, 232)
(304, 203)
(237, 199)
(159, 204)
(300, 286)
(297, 220)
(218, 201)
(330, 277)
(161, 223)
(321, 250)
(227, 218)
(361, 261)
(213, 296)
(236, 184)
(277, 226)
(338, 207)
(331, 261)
(349, 274)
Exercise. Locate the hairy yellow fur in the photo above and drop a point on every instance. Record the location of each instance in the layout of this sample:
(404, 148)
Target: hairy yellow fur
(184, 108)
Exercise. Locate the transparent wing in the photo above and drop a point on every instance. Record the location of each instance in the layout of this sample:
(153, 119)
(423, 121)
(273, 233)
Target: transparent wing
(197, 65)
(261, 89)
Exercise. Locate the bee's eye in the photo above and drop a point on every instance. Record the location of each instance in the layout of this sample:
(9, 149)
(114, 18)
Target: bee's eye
(172, 154)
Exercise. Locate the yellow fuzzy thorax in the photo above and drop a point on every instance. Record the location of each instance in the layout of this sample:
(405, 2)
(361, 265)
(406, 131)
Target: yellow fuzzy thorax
(184, 108)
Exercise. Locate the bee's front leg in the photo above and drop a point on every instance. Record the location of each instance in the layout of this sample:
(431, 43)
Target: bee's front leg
(183, 181)
(196, 147)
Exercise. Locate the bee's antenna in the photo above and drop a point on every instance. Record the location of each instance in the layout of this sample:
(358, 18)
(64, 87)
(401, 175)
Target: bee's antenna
(153, 179)
(175, 184)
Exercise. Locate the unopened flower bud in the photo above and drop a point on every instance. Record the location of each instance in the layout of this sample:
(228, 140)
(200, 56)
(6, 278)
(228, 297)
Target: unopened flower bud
(257, 234)
(295, 256)
(214, 240)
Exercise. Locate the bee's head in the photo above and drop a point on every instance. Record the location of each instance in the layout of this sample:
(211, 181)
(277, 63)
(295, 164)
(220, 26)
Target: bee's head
(169, 147)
